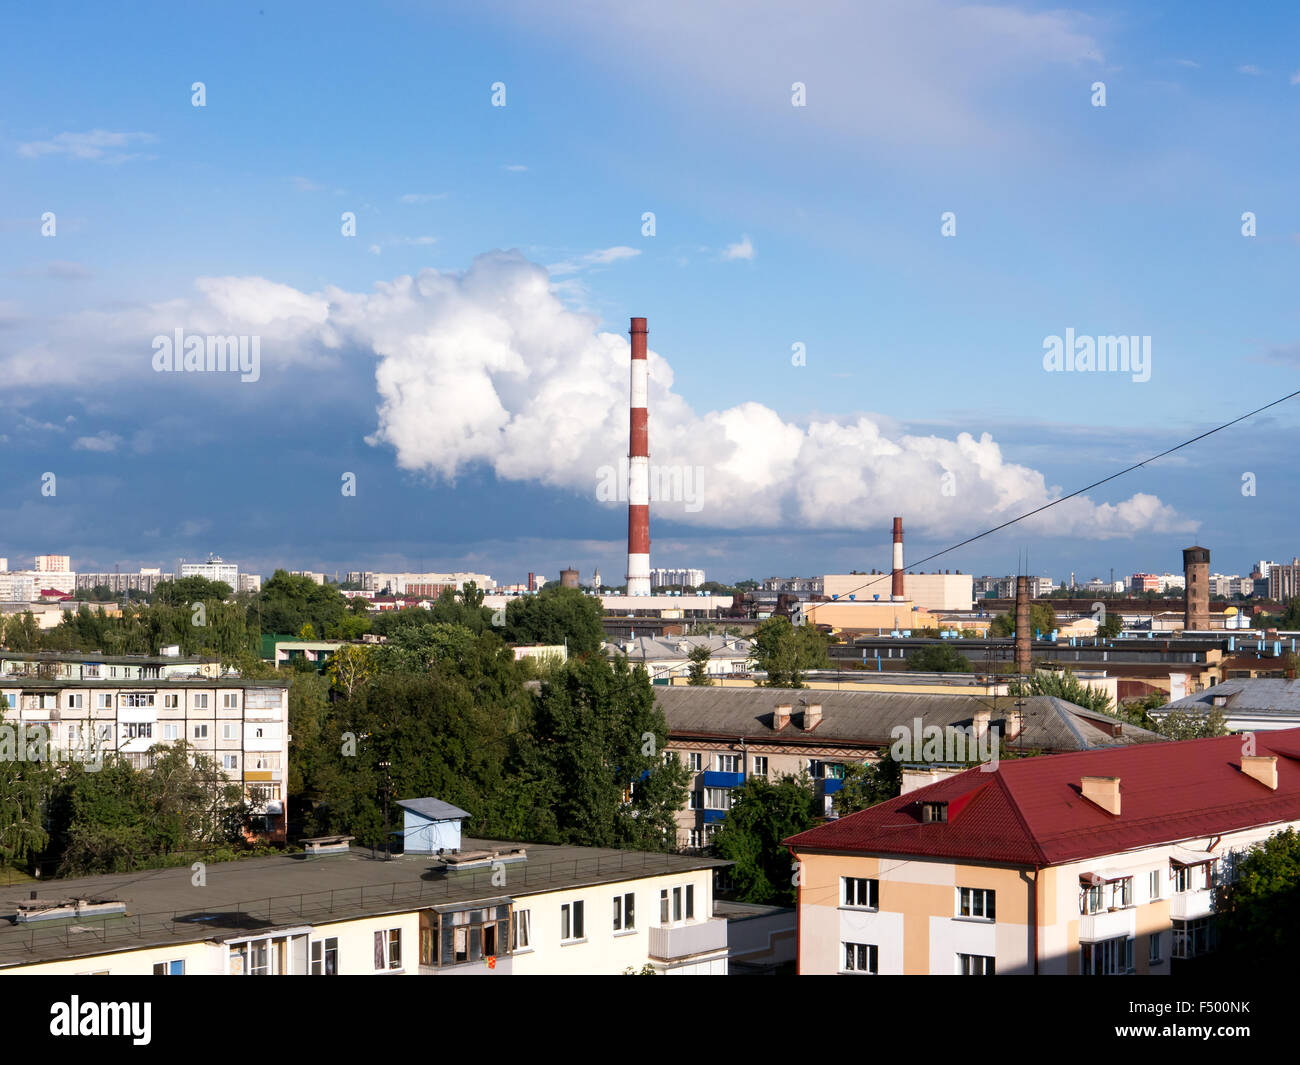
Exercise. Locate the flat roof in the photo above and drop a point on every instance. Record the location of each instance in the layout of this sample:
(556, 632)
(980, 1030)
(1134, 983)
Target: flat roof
(15, 680)
(259, 895)
(98, 656)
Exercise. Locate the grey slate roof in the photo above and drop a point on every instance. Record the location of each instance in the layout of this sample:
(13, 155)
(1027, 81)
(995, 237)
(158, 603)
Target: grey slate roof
(1254, 694)
(859, 718)
(661, 647)
(433, 809)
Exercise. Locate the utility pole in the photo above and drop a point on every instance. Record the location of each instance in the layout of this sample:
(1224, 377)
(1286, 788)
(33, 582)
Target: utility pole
(385, 766)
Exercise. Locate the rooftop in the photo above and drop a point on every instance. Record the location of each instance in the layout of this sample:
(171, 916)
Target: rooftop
(256, 895)
(867, 718)
(1254, 694)
(1031, 811)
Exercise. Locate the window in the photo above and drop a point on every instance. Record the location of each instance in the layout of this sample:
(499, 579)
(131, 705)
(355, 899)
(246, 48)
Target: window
(1121, 893)
(975, 902)
(104, 701)
(201, 700)
(171, 732)
(695, 762)
(760, 766)
(137, 699)
(975, 965)
(1153, 948)
(677, 904)
(325, 957)
(571, 928)
(1110, 957)
(728, 763)
(625, 913)
(697, 800)
(229, 731)
(663, 906)
(171, 702)
(388, 949)
(169, 968)
(200, 732)
(230, 761)
(230, 700)
(932, 812)
(710, 831)
(717, 798)
(1193, 938)
(694, 835)
(1091, 899)
(1154, 884)
(76, 701)
(858, 891)
(265, 759)
(12, 701)
(520, 924)
(860, 958)
(669, 758)
(690, 902)
(139, 730)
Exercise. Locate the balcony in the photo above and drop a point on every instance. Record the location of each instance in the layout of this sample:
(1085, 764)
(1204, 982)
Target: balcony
(715, 779)
(1189, 905)
(714, 816)
(1106, 924)
(675, 942)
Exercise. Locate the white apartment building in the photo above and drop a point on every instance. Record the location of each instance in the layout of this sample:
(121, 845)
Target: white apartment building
(542, 910)
(52, 564)
(250, 582)
(17, 586)
(214, 569)
(242, 725)
(676, 578)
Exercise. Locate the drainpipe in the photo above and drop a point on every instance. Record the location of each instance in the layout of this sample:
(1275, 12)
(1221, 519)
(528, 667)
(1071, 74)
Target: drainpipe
(1034, 912)
(798, 918)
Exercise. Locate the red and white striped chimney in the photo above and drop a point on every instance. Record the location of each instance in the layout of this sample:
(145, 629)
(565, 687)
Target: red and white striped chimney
(896, 591)
(638, 473)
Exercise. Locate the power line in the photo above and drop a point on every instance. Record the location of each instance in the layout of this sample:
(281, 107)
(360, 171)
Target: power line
(1080, 491)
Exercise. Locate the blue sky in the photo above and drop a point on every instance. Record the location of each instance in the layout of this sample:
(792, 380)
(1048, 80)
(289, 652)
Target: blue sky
(477, 412)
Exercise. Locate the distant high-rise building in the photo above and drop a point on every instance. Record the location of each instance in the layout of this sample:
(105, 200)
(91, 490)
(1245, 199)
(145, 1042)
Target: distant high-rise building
(676, 578)
(52, 564)
(214, 569)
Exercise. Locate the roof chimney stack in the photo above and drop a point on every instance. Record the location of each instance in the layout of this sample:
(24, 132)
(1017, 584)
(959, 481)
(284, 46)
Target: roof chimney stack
(896, 587)
(1103, 791)
(1261, 767)
(781, 717)
(1024, 634)
(812, 716)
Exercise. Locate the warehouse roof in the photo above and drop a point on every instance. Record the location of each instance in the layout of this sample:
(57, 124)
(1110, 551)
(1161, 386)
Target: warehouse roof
(1256, 694)
(866, 718)
(1032, 812)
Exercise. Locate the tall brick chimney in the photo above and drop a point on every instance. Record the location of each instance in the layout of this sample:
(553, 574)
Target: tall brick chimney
(1196, 588)
(1024, 633)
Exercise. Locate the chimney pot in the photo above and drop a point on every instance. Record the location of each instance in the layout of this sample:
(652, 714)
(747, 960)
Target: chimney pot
(980, 723)
(781, 716)
(812, 716)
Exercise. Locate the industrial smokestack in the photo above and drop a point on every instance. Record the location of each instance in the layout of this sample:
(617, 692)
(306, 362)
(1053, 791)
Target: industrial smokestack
(638, 473)
(896, 591)
(1024, 634)
(1196, 588)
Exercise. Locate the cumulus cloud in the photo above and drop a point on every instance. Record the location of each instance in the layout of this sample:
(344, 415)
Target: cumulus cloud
(601, 257)
(490, 368)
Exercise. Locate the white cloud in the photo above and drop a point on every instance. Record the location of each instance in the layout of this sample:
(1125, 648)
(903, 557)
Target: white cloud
(99, 145)
(602, 257)
(1295, 78)
(742, 249)
(515, 168)
(1189, 63)
(422, 197)
(101, 441)
(1254, 71)
(534, 391)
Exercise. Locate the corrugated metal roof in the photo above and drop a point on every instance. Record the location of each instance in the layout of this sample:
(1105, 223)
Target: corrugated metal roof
(433, 809)
(867, 718)
(1031, 811)
(1256, 694)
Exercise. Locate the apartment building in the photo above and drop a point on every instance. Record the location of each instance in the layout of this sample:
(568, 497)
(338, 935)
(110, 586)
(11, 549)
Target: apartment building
(665, 657)
(1101, 862)
(725, 735)
(242, 725)
(145, 581)
(91, 665)
(214, 569)
(499, 908)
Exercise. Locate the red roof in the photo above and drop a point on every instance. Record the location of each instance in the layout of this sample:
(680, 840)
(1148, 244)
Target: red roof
(1030, 811)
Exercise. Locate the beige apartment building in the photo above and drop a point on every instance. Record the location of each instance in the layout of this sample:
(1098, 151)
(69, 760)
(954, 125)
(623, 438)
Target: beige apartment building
(524, 909)
(726, 734)
(1101, 862)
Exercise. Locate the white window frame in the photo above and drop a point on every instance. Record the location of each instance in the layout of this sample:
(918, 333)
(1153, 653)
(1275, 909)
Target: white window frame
(760, 765)
(625, 913)
(573, 922)
(695, 762)
(200, 731)
(855, 889)
(318, 954)
(977, 904)
(861, 959)
(388, 946)
(976, 965)
(521, 927)
(230, 730)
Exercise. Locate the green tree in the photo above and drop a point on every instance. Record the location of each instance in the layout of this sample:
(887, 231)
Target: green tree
(868, 784)
(1258, 912)
(1111, 627)
(1064, 685)
(698, 670)
(785, 653)
(1042, 619)
(557, 615)
(762, 814)
(24, 786)
(939, 658)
